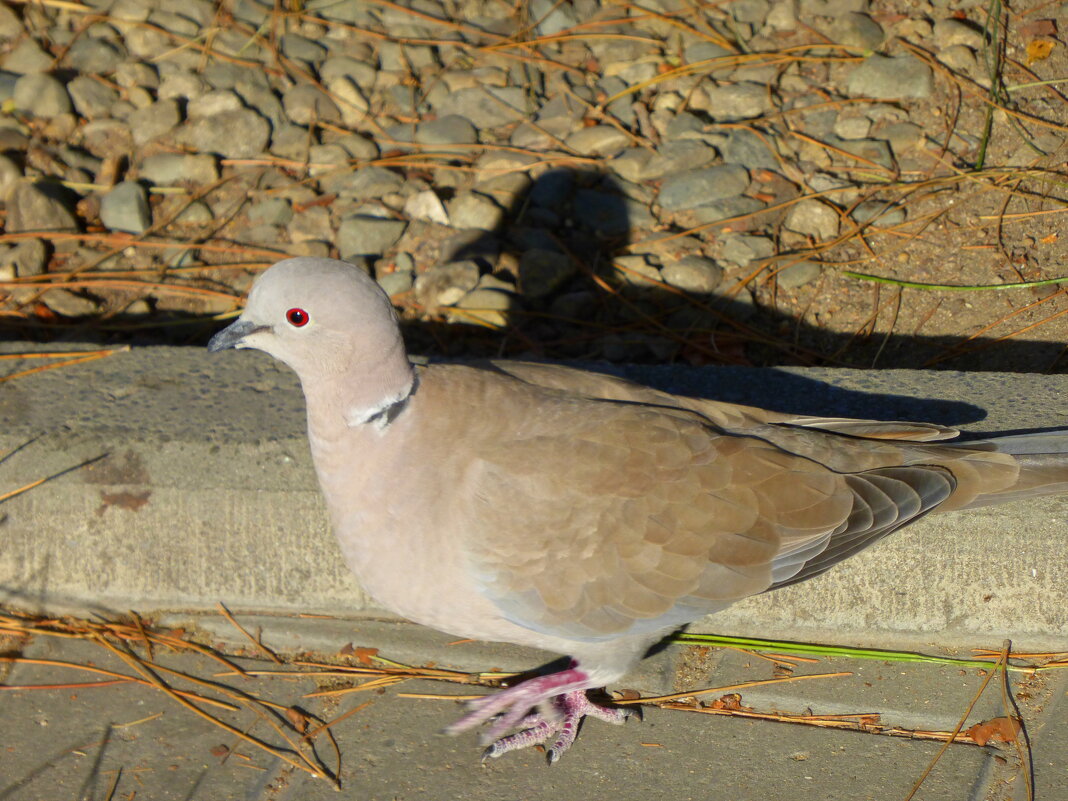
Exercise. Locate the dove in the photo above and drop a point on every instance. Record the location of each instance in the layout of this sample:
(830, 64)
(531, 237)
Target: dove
(578, 513)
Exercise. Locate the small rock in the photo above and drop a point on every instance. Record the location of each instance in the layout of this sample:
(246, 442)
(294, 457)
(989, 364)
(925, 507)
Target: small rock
(26, 58)
(37, 207)
(636, 270)
(396, 282)
(137, 73)
(303, 49)
(676, 157)
(630, 164)
(366, 183)
(874, 150)
(740, 101)
(856, 30)
(598, 140)
(688, 190)
(195, 213)
(472, 210)
(959, 58)
(107, 138)
(155, 121)
(903, 136)
(744, 249)
(749, 149)
(166, 169)
(489, 306)
(446, 284)
(705, 51)
(10, 24)
(27, 258)
(831, 8)
(552, 17)
(89, 54)
(726, 209)
(782, 16)
(694, 274)
(359, 72)
(491, 106)
(797, 275)
(9, 176)
(880, 214)
(186, 85)
(270, 211)
(233, 134)
(752, 12)
(426, 206)
(541, 272)
(125, 208)
(812, 218)
(362, 236)
(40, 95)
(312, 225)
(852, 127)
(209, 104)
(950, 32)
(887, 77)
(449, 130)
(306, 104)
(68, 304)
(92, 99)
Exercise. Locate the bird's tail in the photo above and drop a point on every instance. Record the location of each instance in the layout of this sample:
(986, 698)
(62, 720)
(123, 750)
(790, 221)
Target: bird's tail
(1008, 468)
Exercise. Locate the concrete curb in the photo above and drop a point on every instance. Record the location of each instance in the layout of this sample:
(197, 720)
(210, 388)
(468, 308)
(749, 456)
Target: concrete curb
(205, 493)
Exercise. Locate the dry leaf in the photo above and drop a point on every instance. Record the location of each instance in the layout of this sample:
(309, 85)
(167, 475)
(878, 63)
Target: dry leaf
(1039, 27)
(1039, 50)
(220, 751)
(1003, 729)
(1049, 240)
(731, 702)
(297, 718)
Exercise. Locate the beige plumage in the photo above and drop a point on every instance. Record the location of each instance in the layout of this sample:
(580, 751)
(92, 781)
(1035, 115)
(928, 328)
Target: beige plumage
(576, 512)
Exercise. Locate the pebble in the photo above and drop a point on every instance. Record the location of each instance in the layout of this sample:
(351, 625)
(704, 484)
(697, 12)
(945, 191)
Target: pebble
(449, 130)
(749, 149)
(688, 190)
(303, 49)
(366, 183)
(361, 236)
(40, 95)
(92, 99)
(888, 77)
(10, 24)
(675, 157)
(28, 258)
(857, 30)
(636, 270)
(426, 206)
(166, 169)
(9, 176)
(744, 249)
(541, 272)
(879, 214)
(812, 218)
(446, 284)
(25, 58)
(107, 138)
(125, 208)
(737, 102)
(305, 104)
(209, 104)
(950, 32)
(37, 207)
(154, 121)
(492, 106)
(396, 282)
(90, 54)
(695, 274)
(598, 140)
(68, 304)
(798, 275)
(241, 133)
(608, 214)
(472, 210)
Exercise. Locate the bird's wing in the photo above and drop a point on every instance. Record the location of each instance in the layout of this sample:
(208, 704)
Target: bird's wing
(618, 518)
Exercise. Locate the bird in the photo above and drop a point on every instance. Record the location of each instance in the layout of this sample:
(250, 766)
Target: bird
(547, 506)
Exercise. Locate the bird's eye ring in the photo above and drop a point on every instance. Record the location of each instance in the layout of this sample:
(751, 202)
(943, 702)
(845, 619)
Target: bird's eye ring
(297, 317)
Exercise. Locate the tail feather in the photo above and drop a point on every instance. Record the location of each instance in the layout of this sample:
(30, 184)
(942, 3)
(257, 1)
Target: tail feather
(1041, 461)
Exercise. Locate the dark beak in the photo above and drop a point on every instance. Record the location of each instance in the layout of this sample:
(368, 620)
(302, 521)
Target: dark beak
(233, 334)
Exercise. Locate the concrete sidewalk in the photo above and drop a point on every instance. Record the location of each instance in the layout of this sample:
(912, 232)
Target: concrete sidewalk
(202, 491)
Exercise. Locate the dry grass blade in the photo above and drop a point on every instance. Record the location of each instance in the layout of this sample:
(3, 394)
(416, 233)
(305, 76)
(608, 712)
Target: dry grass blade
(80, 358)
(662, 699)
(27, 487)
(255, 641)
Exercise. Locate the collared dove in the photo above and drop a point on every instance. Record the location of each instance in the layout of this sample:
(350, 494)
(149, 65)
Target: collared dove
(579, 513)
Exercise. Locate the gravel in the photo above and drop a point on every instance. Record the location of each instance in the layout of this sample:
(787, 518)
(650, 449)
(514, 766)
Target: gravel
(125, 208)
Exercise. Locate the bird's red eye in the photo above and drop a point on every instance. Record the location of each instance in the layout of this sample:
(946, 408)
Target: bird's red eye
(297, 317)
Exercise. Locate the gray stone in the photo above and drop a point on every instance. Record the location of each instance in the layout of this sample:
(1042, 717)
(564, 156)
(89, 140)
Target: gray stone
(365, 183)
(271, 211)
(10, 24)
(28, 258)
(886, 77)
(598, 140)
(880, 214)
(783, 16)
(107, 138)
(358, 146)
(26, 57)
(694, 274)
(743, 249)
(950, 32)
(857, 30)
(359, 72)
(852, 127)
(725, 209)
(606, 214)
(688, 190)
(289, 142)
(40, 95)
(68, 304)
(446, 284)
(195, 213)
(903, 137)
(91, 98)
(37, 207)
(215, 102)
(959, 58)
(812, 218)
(125, 208)
(739, 101)
(752, 12)
(630, 164)
(874, 150)
(187, 85)
(361, 236)
(472, 210)
(311, 225)
(175, 168)
(749, 149)
(9, 176)
(636, 270)
(426, 206)
(831, 8)
(306, 104)
(396, 282)
(233, 134)
(7, 85)
(448, 130)
(302, 48)
(489, 306)
(89, 54)
(152, 122)
(137, 73)
(490, 106)
(542, 272)
(685, 125)
(552, 17)
(798, 275)
(704, 51)
(676, 157)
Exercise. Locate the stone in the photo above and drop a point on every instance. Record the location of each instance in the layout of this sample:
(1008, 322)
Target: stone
(125, 208)
(359, 72)
(26, 58)
(749, 149)
(426, 206)
(449, 130)
(695, 274)
(446, 284)
(812, 218)
(9, 176)
(874, 150)
(959, 58)
(798, 275)
(726, 209)
(10, 24)
(606, 214)
(154, 121)
(878, 214)
(396, 282)
(28, 258)
(951, 32)
(241, 133)
(888, 77)
(541, 272)
(186, 85)
(856, 30)
(270, 211)
(68, 304)
(350, 100)
(166, 169)
(744, 249)
(93, 55)
(361, 236)
(365, 183)
(852, 127)
(831, 8)
(107, 138)
(306, 104)
(598, 140)
(92, 99)
(40, 95)
(215, 102)
(311, 225)
(491, 106)
(489, 306)
(688, 190)
(630, 164)
(37, 207)
(737, 102)
(472, 210)
(676, 157)
(903, 136)
(552, 17)
(303, 49)
(137, 73)
(782, 16)
(636, 270)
